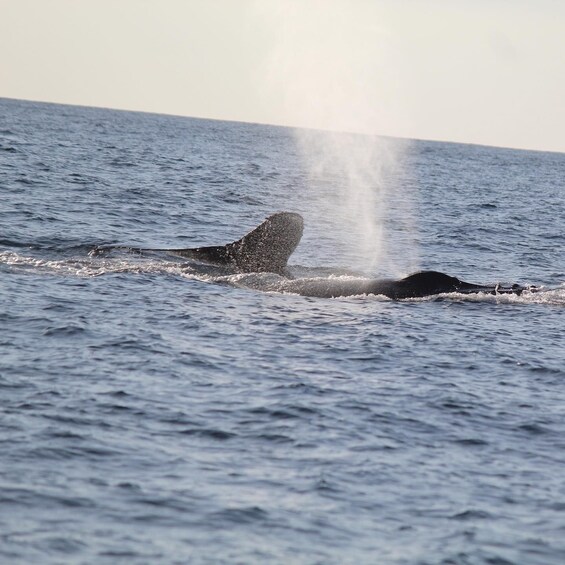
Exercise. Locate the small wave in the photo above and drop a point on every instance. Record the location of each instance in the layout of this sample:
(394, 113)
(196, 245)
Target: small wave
(472, 514)
(471, 442)
(12, 243)
(82, 179)
(554, 296)
(60, 246)
(88, 267)
(32, 498)
(211, 433)
(119, 162)
(68, 330)
(245, 515)
(534, 429)
(275, 438)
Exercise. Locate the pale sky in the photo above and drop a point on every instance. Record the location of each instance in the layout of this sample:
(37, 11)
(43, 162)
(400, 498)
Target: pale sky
(476, 71)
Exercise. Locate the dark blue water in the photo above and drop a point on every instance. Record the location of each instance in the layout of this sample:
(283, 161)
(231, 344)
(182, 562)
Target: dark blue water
(154, 414)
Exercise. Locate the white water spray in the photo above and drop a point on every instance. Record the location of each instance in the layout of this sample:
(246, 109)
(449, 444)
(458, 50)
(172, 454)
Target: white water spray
(328, 72)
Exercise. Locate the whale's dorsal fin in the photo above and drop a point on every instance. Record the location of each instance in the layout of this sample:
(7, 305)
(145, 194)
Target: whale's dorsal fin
(264, 249)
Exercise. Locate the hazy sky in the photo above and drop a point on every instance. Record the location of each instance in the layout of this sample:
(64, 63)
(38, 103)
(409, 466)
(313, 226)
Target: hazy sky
(479, 71)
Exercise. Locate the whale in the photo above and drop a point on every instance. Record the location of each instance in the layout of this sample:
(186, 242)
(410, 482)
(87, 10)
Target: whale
(268, 247)
(265, 249)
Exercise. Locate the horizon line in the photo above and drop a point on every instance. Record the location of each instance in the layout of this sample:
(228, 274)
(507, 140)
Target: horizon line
(287, 126)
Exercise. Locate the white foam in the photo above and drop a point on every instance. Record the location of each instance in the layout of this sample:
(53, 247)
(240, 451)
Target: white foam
(264, 282)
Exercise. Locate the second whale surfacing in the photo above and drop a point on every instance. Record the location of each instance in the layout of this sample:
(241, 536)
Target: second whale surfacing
(267, 248)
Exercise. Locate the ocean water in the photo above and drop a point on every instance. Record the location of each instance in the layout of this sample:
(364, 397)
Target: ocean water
(154, 413)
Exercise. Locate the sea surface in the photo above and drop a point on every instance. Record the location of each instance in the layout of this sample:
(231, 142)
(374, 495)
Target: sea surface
(154, 413)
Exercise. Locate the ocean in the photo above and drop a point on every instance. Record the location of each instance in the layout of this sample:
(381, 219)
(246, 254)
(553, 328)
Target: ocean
(154, 413)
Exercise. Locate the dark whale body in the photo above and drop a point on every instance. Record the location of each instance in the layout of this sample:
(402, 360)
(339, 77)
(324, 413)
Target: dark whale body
(417, 285)
(267, 248)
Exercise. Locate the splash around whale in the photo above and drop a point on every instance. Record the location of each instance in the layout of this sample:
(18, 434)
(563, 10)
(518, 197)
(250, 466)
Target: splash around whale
(268, 247)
